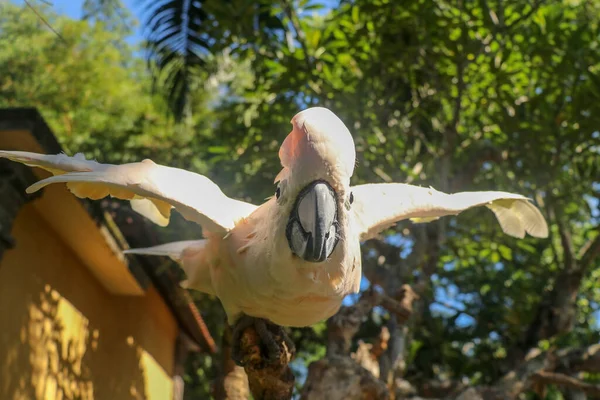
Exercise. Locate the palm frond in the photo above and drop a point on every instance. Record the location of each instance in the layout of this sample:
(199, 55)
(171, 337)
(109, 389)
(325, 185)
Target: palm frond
(182, 35)
(177, 46)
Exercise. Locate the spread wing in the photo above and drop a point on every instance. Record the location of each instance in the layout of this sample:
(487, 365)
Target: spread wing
(153, 189)
(379, 206)
(192, 255)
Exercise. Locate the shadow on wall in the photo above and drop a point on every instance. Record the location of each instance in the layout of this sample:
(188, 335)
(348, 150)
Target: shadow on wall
(63, 336)
(58, 354)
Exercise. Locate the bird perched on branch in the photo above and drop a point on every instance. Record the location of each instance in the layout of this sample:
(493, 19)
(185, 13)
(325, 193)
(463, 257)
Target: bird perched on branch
(291, 260)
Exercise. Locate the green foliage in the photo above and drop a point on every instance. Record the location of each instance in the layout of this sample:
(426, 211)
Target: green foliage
(96, 97)
(458, 95)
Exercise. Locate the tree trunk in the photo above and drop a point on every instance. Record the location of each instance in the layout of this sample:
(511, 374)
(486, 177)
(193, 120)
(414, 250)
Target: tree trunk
(343, 376)
(233, 382)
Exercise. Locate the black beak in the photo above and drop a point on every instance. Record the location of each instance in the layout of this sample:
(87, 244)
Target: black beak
(312, 227)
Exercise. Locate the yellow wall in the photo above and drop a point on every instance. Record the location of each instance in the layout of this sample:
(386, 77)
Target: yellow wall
(70, 221)
(63, 336)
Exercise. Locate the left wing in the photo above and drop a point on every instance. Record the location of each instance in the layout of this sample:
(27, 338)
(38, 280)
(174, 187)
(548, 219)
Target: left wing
(192, 255)
(379, 206)
(153, 189)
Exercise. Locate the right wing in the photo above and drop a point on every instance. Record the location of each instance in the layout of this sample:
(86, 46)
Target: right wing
(153, 189)
(380, 206)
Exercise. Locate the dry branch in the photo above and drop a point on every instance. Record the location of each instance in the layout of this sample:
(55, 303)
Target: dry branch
(540, 369)
(267, 380)
(233, 382)
(340, 377)
(343, 326)
(580, 359)
(553, 378)
(367, 354)
(556, 312)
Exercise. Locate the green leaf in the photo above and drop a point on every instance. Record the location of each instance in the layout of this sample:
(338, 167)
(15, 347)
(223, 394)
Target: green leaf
(485, 289)
(505, 252)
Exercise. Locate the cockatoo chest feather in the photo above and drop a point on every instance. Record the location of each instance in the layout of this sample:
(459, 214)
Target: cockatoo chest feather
(258, 275)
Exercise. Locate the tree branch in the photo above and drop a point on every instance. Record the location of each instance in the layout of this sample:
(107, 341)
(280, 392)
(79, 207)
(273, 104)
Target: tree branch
(343, 326)
(538, 366)
(340, 377)
(553, 378)
(295, 21)
(232, 383)
(402, 305)
(556, 312)
(267, 380)
(45, 22)
(567, 243)
(580, 359)
(589, 252)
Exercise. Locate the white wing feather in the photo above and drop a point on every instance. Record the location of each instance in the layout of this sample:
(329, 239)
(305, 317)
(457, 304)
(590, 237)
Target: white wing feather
(192, 255)
(195, 196)
(379, 206)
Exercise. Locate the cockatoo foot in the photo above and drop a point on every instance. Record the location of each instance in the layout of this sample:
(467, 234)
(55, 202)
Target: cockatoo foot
(266, 342)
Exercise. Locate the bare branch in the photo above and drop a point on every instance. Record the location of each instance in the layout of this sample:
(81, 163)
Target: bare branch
(343, 326)
(567, 243)
(295, 21)
(580, 359)
(553, 378)
(44, 21)
(402, 307)
(267, 380)
(340, 377)
(589, 252)
(232, 382)
(538, 366)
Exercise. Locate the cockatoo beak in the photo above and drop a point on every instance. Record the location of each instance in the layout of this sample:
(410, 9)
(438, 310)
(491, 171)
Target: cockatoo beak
(312, 226)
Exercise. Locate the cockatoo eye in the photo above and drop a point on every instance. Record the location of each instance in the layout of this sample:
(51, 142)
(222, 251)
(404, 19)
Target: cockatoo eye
(278, 192)
(348, 203)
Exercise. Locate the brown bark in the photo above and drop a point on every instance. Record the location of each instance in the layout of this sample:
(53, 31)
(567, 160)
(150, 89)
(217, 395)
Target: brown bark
(343, 326)
(367, 354)
(537, 371)
(567, 381)
(580, 359)
(389, 271)
(233, 382)
(556, 312)
(439, 389)
(267, 380)
(364, 357)
(340, 377)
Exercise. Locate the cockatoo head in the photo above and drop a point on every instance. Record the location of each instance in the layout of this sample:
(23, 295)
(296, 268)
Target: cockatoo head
(313, 189)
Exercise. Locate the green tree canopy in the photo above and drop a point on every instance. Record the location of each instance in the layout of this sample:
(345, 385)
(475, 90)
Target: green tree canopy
(480, 95)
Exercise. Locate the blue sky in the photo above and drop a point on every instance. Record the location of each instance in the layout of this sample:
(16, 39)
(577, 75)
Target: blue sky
(73, 9)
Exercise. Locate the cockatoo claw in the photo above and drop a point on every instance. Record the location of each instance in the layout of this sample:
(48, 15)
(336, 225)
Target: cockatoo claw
(266, 345)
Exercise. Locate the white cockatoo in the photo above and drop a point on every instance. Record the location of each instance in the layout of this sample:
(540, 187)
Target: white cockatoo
(294, 258)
